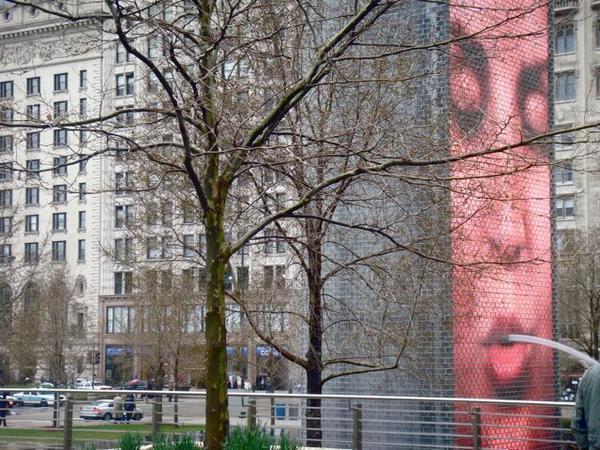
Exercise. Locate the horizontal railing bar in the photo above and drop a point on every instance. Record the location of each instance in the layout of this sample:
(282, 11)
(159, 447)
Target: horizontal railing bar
(345, 397)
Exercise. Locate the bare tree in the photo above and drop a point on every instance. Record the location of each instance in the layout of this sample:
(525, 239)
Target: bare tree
(578, 281)
(314, 96)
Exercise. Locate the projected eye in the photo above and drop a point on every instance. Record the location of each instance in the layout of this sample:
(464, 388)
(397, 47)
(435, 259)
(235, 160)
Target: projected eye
(469, 87)
(533, 102)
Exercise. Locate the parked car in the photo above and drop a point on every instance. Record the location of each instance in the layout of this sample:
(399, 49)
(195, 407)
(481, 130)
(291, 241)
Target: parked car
(36, 398)
(103, 409)
(80, 383)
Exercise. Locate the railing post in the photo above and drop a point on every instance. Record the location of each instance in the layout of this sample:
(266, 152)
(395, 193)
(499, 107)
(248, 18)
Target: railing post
(176, 411)
(476, 427)
(68, 430)
(251, 422)
(272, 416)
(156, 416)
(56, 411)
(357, 427)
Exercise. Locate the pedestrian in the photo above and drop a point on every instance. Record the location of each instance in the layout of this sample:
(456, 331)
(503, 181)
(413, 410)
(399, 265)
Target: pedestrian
(4, 411)
(585, 421)
(129, 407)
(117, 408)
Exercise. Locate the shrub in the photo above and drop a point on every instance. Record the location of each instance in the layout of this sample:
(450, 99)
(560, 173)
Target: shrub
(286, 443)
(249, 438)
(174, 442)
(131, 441)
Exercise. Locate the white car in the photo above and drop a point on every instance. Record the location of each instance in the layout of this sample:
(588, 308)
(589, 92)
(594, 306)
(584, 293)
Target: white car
(87, 384)
(36, 398)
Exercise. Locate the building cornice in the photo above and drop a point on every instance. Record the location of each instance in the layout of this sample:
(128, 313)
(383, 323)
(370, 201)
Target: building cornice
(49, 28)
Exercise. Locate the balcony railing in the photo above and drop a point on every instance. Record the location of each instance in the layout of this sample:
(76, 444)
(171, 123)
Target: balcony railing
(562, 7)
(328, 421)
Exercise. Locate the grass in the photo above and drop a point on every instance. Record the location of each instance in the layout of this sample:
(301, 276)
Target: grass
(103, 432)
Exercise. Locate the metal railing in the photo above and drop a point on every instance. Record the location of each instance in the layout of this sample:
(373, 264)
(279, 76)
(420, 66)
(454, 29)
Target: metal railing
(565, 4)
(329, 421)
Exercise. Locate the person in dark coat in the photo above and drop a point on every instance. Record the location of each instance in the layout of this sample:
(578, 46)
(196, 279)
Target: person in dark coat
(585, 421)
(3, 409)
(129, 407)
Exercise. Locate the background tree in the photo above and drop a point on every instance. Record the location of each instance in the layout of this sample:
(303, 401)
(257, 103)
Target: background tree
(578, 282)
(259, 88)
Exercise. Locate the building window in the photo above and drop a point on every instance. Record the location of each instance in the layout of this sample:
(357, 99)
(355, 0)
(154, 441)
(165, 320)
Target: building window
(126, 117)
(60, 109)
(188, 212)
(155, 47)
(59, 221)
(5, 225)
(83, 136)
(6, 89)
(61, 82)
(60, 138)
(564, 38)
(82, 191)
(32, 223)
(82, 107)
(32, 140)
(31, 252)
(124, 249)
(59, 251)
(243, 277)
(32, 167)
(563, 172)
(6, 144)
(83, 79)
(32, 196)
(564, 208)
(59, 193)
(565, 86)
(273, 276)
(188, 246)
(153, 249)
(121, 55)
(59, 165)
(81, 250)
(5, 253)
(6, 172)
(119, 319)
(124, 84)
(33, 112)
(33, 86)
(81, 220)
(5, 198)
(7, 115)
(123, 283)
(123, 215)
(83, 160)
(233, 317)
(123, 182)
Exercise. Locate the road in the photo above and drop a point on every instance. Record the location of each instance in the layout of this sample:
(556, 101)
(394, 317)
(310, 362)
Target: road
(191, 411)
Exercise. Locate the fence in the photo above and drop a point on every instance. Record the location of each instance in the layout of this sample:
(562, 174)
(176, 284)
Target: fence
(333, 421)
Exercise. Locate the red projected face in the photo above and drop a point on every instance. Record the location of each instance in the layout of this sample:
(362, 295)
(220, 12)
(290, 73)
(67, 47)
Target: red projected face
(501, 214)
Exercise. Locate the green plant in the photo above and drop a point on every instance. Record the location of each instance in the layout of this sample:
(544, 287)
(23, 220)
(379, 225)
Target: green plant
(248, 438)
(131, 441)
(286, 443)
(174, 442)
(88, 446)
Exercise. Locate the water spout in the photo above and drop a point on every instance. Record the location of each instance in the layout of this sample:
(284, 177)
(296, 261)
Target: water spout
(583, 358)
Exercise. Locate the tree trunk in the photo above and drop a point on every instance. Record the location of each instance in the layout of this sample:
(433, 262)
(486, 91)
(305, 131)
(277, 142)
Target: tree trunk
(314, 433)
(217, 416)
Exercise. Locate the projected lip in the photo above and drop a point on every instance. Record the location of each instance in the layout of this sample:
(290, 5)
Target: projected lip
(507, 363)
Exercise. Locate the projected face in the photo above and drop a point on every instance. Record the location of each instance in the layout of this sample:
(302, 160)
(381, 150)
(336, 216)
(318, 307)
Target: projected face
(501, 213)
